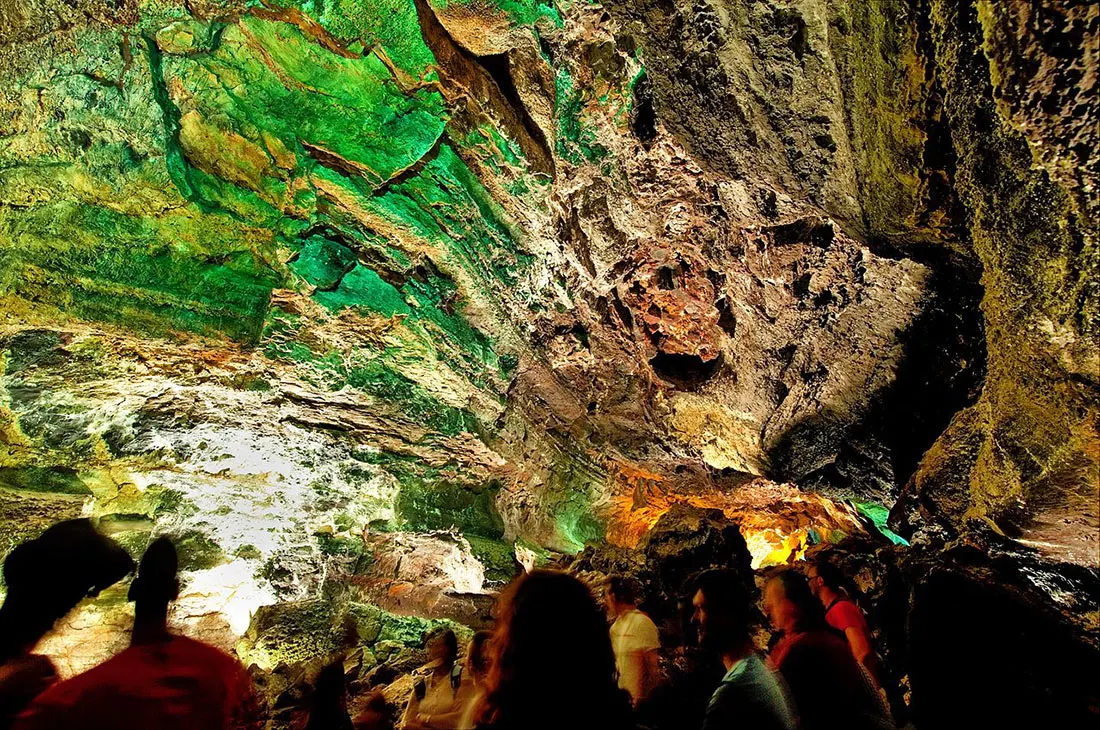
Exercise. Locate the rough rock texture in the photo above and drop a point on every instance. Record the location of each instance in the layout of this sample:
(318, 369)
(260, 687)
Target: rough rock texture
(969, 599)
(495, 277)
(924, 603)
(1024, 457)
(433, 247)
(685, 541)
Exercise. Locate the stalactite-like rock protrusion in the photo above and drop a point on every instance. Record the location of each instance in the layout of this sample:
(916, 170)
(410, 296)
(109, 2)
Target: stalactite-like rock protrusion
(309, 285)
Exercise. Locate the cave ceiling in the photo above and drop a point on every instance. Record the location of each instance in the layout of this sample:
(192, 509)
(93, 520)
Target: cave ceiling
(274, 272)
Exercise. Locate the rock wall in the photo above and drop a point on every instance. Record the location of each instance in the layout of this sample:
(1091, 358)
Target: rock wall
(276, 274)
(1023, 458)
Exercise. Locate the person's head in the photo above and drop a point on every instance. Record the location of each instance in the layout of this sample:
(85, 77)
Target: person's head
(790, 604)
(442, 647)
(621, 594)
(551, 638)
(825, 577)
(48, 576)
(477, 655)
(330, 697)
(722, 610)
(156, 584)
(331, 687)
(376, 713)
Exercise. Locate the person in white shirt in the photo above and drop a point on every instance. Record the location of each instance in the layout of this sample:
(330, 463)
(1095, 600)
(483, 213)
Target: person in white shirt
(633, 637)
(439, 695)
(475, 672)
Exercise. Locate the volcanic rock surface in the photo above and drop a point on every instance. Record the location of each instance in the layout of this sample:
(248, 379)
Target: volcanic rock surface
(381, 299)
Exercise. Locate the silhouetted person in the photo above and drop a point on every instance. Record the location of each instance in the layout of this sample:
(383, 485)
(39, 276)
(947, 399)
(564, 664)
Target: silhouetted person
(553, 667)
(437, 701)
(46, 578)
(476, 674)
(829, 688)
(161, 681)
(750, 696)
(330, 700)
(692, 673)
(634, 639)
(841, 612)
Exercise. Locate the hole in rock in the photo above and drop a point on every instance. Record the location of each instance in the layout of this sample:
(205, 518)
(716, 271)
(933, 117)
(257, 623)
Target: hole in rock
(804, 230)
(666, 278)
(684, 371)
(623, 311)
(643, 118)
(726, 320)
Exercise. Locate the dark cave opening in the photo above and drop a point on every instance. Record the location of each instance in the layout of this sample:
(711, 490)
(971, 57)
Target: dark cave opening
(643, 116)
(685, 371)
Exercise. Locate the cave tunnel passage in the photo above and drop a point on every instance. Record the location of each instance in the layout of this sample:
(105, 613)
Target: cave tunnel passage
(372, 307)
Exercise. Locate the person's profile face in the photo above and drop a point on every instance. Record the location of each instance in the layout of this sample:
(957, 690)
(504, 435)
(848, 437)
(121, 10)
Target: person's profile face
(815, 581)
(608, 599)
(438, 650)
(699, 618)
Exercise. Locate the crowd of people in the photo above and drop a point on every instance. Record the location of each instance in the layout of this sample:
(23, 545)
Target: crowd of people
(557, 659)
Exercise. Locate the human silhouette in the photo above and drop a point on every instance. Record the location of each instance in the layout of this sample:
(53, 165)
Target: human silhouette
(439, 697)
(553, 667)
(376, 713)
(330, 700)
(476, 674)
(828, 686)
(46, 578)
(680, 700)
(163, 680)
(841, 612)
(634, 638)
(750, 696)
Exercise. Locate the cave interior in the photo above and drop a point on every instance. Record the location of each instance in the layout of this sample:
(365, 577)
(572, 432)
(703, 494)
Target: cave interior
(370, 305)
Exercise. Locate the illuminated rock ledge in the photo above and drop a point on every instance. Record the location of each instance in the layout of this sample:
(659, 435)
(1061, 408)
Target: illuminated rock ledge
(315, 286)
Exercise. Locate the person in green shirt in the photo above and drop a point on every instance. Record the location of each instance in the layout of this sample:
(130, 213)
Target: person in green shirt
(750, 696)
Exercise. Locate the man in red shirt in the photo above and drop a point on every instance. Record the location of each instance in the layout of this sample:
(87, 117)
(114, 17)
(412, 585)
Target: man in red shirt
(161, 681)
(842, 613)
(46, 578)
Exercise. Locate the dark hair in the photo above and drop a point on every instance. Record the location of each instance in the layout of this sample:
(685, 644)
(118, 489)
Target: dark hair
(796, 589)
(329, 698)
(376, 704)
(624, 589)
(830, 574)
(478, 659)
(447, 636)
(725, 593)
(156, 582)
(552, 641)
(48, 576)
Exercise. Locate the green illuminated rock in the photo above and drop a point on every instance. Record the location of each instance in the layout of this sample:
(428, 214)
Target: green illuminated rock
(294, 279)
